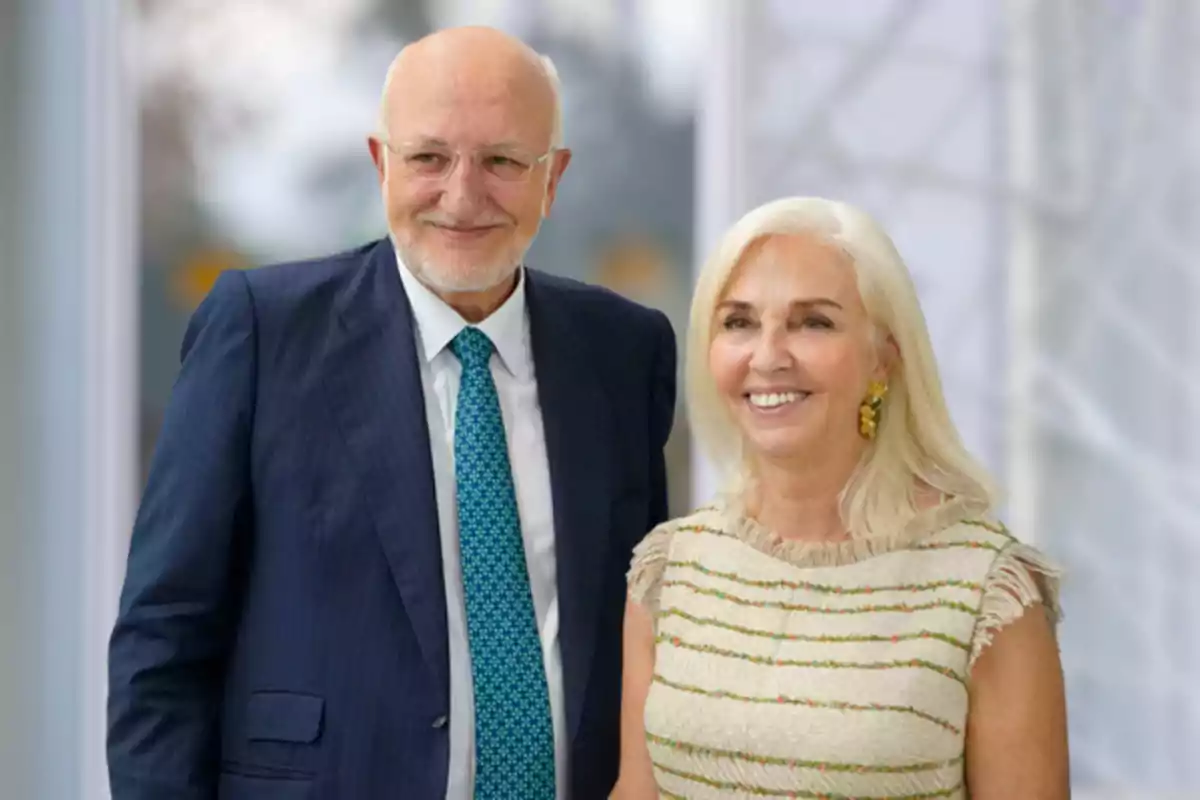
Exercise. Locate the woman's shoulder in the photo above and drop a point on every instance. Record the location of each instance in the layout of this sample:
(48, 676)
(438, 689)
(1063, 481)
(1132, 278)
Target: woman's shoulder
(1013, 575)
(713, 519)
(985, 535)
(652, 553)
(1020, 577)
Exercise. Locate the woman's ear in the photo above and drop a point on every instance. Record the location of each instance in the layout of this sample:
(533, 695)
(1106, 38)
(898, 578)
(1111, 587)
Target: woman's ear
(888, 357)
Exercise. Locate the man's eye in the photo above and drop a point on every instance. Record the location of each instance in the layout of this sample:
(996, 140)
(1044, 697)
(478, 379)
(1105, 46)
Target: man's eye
(427, 159)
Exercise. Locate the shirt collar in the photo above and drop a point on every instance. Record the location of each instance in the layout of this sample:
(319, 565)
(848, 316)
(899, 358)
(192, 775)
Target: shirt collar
(437, 323)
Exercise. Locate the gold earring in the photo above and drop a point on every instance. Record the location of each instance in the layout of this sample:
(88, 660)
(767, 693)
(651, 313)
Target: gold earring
(869, 411)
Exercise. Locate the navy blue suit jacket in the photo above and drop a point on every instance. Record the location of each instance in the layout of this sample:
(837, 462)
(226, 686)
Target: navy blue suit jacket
(282, 627)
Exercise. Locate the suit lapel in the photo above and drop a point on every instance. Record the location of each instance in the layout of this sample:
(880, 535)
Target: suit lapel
(373, 381)
(577, 424)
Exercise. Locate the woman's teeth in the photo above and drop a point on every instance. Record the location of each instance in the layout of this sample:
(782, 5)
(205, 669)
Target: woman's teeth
(775, 399)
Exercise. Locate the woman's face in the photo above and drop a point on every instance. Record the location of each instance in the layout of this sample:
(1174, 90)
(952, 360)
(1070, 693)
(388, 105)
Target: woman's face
(793, 351)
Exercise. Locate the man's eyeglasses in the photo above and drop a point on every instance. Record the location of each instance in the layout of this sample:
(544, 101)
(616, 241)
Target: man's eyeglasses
(436, 162)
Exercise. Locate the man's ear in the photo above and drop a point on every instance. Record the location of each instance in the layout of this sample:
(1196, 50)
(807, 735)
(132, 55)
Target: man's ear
(561, 159)
(378, 157)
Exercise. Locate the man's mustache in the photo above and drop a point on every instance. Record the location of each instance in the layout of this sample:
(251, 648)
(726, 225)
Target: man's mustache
(448, 221)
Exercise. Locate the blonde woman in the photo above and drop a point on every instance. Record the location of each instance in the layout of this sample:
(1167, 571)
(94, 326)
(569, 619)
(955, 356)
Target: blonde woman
(849, 620)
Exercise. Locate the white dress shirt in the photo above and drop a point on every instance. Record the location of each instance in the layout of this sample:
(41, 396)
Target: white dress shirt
(436, 324)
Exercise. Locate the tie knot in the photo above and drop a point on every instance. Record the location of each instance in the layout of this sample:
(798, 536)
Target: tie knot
(472, 347)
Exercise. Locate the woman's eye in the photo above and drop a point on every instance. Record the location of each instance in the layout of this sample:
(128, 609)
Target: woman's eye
(820, 323)
(735, 323)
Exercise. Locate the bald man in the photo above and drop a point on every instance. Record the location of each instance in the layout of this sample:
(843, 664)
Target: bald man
(382, 547)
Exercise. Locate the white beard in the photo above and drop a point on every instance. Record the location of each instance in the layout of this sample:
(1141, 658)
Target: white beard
(441, 277)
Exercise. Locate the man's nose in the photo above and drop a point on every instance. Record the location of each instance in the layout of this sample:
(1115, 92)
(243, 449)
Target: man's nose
(463, 189)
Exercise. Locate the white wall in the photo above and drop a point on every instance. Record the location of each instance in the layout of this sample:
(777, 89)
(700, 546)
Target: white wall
(1109, 225)
(1037, 162)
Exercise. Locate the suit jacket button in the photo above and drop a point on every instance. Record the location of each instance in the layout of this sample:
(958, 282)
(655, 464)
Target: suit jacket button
(440, 722)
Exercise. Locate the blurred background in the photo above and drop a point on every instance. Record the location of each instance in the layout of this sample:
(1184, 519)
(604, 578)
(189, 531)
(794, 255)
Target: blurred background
(1035, 160)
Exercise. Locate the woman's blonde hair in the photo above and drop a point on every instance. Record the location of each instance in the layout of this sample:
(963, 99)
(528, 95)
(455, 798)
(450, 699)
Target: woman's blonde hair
(917, 444)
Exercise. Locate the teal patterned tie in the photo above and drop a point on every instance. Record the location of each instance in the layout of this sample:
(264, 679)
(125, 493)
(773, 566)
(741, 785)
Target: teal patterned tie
(514, 737)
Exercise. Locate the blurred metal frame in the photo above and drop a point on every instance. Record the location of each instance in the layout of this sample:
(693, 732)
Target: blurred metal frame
(720, 169)
(1022, 264)
(111, 313)
(80, 118)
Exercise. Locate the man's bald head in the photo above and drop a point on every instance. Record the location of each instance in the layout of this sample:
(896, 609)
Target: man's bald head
(469, 157)
(483, 63)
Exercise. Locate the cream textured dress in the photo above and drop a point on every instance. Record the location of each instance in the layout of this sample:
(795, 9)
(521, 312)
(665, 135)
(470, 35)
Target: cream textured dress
(840, 670)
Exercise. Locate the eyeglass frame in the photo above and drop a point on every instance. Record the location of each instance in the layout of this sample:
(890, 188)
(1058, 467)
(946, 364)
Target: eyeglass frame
(456, 155)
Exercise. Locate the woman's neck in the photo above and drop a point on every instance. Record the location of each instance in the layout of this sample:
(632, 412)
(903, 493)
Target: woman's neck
(802, 501)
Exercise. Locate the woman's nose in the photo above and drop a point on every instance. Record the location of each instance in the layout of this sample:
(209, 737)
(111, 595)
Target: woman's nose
(770, 352)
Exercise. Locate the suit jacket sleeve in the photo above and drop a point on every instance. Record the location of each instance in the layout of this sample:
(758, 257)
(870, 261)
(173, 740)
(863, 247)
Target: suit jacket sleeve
(168, 648)
(662, 417)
